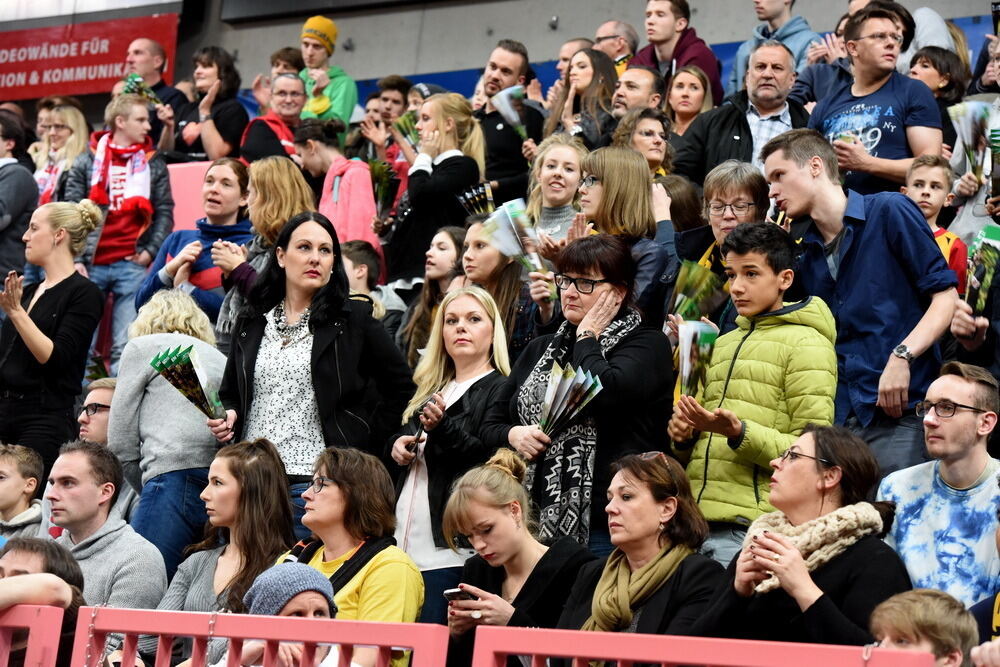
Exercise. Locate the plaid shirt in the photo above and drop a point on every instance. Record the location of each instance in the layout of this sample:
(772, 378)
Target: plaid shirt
(763, 129)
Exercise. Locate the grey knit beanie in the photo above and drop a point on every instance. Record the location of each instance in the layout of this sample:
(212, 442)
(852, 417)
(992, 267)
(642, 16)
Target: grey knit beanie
(274, 587)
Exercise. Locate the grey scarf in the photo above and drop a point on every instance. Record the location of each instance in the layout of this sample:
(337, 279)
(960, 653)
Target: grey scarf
(257, 253)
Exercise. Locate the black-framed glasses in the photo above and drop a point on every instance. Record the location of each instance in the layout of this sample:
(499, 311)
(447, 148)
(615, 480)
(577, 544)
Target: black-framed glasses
(943, 409)
(738, 208)
(790, 456)
(319, 483)
(582, 285)
(92, 408)
(883, 37)
(589, 181)
(603, 38)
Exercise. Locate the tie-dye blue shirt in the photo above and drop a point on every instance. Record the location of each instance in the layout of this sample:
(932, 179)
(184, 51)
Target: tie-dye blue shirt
(945, 536)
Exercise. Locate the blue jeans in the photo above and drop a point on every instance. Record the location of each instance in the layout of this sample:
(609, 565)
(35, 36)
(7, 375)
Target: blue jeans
(436, 582)
(298, 510)
(896, 443)
(122, 280)
(724, 542)
(171, 514)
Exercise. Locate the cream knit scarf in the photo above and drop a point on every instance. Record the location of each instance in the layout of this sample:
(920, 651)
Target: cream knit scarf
(820, 540)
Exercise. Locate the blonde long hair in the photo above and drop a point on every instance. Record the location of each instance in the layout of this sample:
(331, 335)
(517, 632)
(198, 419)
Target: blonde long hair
(281, 194)
(172, 311)
(534, 207)
(626, 207)
(436, 368)
(75, 146)
(468, 133)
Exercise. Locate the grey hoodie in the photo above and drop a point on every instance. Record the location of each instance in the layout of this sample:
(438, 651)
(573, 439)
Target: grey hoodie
(120, 567)
(24, 524)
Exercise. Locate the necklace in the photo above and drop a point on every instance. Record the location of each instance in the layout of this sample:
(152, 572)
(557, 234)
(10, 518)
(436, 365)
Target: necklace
(290, 333)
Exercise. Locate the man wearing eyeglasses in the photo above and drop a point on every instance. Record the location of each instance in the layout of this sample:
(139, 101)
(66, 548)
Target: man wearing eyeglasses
(274, 132)
(946, 509)
(619, 41)
(881, 120)
(738, 129)
(93, 419)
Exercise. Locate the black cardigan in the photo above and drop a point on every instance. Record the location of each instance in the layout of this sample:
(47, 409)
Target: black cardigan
(434, 204)
(452, 447)
(853, 584)
(349, 354)
(68, 313)
(631, 411)
(540, 603)
(671, 610)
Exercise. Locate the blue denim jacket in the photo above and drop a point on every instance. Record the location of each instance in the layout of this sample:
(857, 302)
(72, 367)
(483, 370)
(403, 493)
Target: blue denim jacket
(890, 266)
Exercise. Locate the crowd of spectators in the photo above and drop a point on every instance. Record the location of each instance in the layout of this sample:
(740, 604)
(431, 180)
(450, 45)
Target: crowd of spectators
(379, 372)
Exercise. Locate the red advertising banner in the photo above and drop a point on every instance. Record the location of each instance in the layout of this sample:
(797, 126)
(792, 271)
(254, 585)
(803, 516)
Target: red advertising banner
(77, 59)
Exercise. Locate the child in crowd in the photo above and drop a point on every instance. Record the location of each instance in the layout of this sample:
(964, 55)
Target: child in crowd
(929, 621)
(769, 378)
(20, 475)
(928, 183)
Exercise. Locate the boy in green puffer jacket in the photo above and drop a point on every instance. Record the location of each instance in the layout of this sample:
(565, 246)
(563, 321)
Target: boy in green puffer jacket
(768, 379)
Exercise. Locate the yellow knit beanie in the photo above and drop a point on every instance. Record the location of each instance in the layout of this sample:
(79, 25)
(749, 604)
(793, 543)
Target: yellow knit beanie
(322, 29)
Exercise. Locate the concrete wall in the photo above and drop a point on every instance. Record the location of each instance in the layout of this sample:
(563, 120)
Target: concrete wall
(443, 36)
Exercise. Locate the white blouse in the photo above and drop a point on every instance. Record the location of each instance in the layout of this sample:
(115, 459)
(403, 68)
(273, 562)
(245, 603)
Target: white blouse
(284, 408)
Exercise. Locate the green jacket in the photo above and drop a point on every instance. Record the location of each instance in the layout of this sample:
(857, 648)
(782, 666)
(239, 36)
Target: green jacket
(337, 100)
(777, 372)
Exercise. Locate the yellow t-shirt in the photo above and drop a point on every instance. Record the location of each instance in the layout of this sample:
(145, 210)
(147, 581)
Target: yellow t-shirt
(388, 588)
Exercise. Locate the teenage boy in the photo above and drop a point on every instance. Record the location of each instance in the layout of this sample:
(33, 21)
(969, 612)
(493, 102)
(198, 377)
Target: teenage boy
(780, 24)
(881, 120)
(674, 44)
(767, 380)
(330, 93)
(362, 265)
(928, 184)
(21, 469)
(928, 621)
(873, 259)
(945, 524)
(130, 183)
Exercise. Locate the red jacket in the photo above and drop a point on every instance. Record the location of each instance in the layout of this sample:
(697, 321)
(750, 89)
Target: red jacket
(690, 50)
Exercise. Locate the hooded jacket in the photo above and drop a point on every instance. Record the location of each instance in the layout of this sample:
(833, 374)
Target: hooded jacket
(723, 134)
(120, 567)
(777, 372)
(349, 201)
(795, 34)
(337, 99)
(24, 524)
(690, 50)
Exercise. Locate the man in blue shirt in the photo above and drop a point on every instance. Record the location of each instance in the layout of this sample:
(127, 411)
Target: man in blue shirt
(881, 120)
(874, 261)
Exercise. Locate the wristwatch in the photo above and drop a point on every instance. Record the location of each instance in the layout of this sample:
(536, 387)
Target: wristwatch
(903, 352)
(204, 117)
(586, 333)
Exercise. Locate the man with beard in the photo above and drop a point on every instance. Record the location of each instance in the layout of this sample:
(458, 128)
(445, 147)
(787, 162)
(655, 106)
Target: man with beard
(506, 165)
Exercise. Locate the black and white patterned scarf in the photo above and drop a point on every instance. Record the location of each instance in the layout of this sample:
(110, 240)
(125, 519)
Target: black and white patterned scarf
(566, 468)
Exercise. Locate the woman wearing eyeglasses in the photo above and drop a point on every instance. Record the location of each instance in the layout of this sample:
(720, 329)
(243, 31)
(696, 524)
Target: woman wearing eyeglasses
(814, 570)
(349, 509)
(735, 192)
(648, 132)
(654, 582)
(601, 334)
(156, 432)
